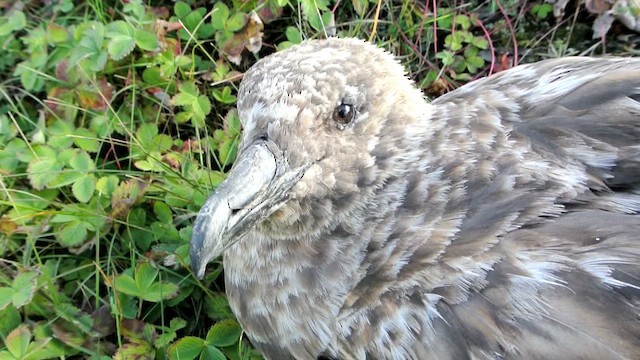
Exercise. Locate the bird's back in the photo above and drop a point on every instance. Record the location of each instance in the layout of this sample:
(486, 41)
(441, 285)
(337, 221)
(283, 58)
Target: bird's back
(500, 221)
(518, 235)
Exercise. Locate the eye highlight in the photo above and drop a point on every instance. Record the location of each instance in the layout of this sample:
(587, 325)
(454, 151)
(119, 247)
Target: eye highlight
(343, 114)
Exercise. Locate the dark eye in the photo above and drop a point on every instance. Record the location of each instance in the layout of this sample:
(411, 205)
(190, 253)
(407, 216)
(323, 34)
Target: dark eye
(343, 114)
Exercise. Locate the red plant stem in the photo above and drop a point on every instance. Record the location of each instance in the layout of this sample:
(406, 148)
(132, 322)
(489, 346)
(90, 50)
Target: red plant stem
(424, 14)
(513, 33)
(435, 27)
(416, 50)
(493, 50)
(335, 7)
(112, 149)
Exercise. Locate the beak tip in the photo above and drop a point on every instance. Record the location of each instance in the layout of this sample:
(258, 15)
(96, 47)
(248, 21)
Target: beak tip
(196, 262)
(200, 273)
(198, 245)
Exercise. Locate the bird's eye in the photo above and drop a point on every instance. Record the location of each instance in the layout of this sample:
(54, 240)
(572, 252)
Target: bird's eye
(343, 114)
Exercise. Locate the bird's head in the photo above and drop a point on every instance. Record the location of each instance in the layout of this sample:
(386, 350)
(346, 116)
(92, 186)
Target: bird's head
(320, 134)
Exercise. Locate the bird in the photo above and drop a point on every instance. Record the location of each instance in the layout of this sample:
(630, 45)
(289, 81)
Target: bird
(498, 221)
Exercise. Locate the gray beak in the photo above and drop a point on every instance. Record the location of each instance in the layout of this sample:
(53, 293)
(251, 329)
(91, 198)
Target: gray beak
(256, 186)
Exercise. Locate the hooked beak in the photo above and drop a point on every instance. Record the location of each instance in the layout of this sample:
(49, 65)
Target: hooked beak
(256, 186)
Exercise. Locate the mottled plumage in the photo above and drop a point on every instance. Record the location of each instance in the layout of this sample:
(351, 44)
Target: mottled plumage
(498, 222)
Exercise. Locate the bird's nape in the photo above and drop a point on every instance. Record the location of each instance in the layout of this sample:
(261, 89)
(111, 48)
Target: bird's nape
(500, 221)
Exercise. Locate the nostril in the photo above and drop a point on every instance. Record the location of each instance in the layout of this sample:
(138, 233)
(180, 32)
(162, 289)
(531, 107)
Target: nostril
(263, 137)
(234, 209)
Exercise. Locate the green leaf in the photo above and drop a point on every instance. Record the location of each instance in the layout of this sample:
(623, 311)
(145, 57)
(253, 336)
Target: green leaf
(470, 51)
(120, 46)
(39, 151)
(59, 132)
(188, 93)
(17, 342)
(128, 306)
(480, 42)
(360, 6)
(64, 217)
(217, 308)
(224, 96)
(205, 31)
(84, 188)
(12, 153)
(463, 77)
(293, 34)
(182, 117)
(34, 200)
(162, 143)
(136, 8)
(224, 333)
(170, 63)
(181, 195)
(164, 339)
(210, 352)
(228, 150)
(453, 41)
(197, 105)
(145, 276)
(144, 165)
(160, 291)
(474, 63)
(236, 22)
(89, 51)
(219, 15)
(151, 76)
(86, 140)
(146, 133)
(232, 125)
(82, 162)
(446, 57)
(100, 125)
(75, 316)
(541, 10)
(107, 185)
(193, 22)
(142, 238)
(8, 130)
(285, 45)
(187, 348)
(466, 36)
(57, 34)
(163, 212)
(135, 350)
(29, 76)
(312, 10)
(72, 234)
(6, 295)
(24, 286)
(177, 323)
(10, 319)
(42, 171)
(201, 109)
(64, 6)
(126, 285)
(65, 178)
(122, 40)
(16, 21)
(181, 9)
(164, 231)
(463, 21)
(146, 40)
